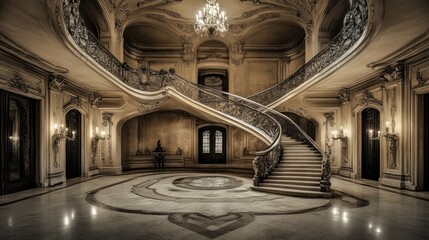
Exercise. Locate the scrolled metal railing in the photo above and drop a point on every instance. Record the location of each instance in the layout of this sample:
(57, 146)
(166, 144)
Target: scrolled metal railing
(271, 123)
(354, 24)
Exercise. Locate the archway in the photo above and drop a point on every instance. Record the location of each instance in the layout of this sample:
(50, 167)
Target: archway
(370, 146)
(73, 148)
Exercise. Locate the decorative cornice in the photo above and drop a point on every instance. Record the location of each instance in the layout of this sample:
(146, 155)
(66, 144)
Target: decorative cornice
(94, 98)
(344, 95)
(393, 73)
(56, 82)
(19, 51)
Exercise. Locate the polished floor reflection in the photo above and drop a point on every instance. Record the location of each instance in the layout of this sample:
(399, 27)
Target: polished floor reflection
(173, 205)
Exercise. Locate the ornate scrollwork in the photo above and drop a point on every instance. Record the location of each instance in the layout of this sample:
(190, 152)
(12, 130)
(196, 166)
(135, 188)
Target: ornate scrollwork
(56, 82)
(393, 73)
(344, 95)
(18, 83)
(107, 119)
(353, 27)
(369, 98)
(329, 116)
(94, 98)
(73, 101)
(149, 106)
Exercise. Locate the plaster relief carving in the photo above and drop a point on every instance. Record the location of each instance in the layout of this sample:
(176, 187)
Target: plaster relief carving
(149, 106)
(107, 119)
(18, 83)
(393, 73)
(94, 98)
(73, 101)
(237, 52)
(329, 116)
(368, 98)
(56, 82)
(344, 95)
(188, 53)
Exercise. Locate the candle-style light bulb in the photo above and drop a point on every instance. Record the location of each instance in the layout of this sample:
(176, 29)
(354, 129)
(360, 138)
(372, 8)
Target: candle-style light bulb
(345, 133)
(73, 134)
(378, 133)
(96, 130)
(103, 134)
(370, 133)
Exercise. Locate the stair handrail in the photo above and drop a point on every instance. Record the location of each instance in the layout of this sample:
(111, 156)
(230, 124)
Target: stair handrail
(290, 128)
(354, 26)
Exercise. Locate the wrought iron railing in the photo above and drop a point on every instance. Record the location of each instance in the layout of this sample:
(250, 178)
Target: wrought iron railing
(255, 112)
(355, 22)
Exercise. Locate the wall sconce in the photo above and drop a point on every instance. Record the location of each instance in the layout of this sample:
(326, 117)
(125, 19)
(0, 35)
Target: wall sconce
(60, 133)
(389, 136)
(342, 135)
(94, 142)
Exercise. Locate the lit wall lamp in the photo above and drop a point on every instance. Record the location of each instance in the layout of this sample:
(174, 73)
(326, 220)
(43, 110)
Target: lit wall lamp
(342, 135)
(389, 136)
(60, 133)
(94, 143)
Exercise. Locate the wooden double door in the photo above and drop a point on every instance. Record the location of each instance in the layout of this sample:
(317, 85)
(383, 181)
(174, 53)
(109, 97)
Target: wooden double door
(19, 130)
(212, 145)
(73, 148)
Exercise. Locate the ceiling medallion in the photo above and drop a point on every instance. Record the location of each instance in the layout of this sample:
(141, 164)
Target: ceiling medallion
(211, 21)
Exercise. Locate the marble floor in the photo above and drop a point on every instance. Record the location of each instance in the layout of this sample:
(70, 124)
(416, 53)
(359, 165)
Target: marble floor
(189, 205)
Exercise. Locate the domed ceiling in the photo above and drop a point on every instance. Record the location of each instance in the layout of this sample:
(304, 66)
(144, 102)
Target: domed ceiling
(256, 23)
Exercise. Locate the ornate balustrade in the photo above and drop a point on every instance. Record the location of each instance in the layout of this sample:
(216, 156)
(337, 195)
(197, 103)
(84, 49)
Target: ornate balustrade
(251, 112)
(355, 22)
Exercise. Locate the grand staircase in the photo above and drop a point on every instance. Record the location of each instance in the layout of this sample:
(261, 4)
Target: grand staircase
(298, 172)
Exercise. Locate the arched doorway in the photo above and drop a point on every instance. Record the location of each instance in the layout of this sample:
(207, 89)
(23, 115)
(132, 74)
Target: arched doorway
(307, 125)
(73, 148)
(212, 145)
(370, 147)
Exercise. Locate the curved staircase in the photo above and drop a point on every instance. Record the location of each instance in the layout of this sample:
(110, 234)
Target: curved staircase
(297, 173)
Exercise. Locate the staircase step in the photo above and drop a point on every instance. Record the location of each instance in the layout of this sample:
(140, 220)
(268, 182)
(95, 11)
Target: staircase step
(298, 165)
(298, 170)
(301, 162)
(293, 182)
(300, 174)
(294, 192)
(291, 186)
(314, 158)
(295, 178)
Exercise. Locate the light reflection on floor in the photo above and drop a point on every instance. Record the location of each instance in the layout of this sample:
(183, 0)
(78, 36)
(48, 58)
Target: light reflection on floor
(358, 212)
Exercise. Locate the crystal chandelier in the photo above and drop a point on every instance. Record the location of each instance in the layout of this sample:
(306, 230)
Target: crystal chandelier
(211, 21)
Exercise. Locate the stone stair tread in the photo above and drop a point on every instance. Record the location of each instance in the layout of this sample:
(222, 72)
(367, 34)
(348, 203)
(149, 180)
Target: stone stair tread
(291, 186)
(294, 192)
(293, 182)
(295, 178)
(314, 174)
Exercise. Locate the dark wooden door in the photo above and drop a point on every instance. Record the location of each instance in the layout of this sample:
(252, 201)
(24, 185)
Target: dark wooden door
(19, 124)
(426, 140)
(212, 145)
(73, 148)
(370, 148)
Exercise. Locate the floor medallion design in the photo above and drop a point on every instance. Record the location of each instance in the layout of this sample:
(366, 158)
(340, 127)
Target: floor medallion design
(208, 182)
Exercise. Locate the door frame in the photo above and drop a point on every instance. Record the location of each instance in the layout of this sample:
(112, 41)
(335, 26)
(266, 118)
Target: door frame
(79, 140)
(34, 141)
(225, 145)
(357, 144)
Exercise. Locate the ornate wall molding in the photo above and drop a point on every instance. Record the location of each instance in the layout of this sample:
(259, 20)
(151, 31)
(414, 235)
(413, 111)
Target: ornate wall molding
(107, 119)
(95, 98)
(150, 106)
(188, 53)
(74, 101)
(329, 117)
(344, 95)
(367, 99)
(56, 82)
(18, 83)
(237, 52)
(393, 73)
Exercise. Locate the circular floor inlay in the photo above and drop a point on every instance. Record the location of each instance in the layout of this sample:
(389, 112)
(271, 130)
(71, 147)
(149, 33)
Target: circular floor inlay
(208, 182)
